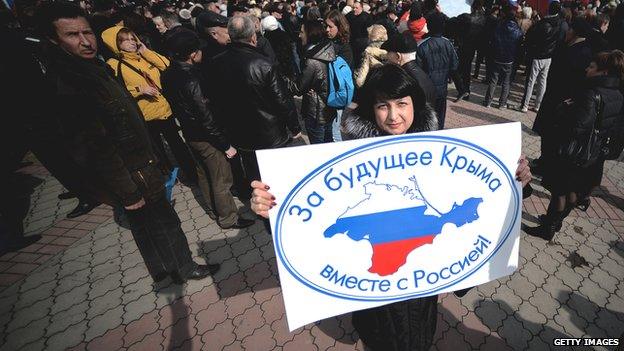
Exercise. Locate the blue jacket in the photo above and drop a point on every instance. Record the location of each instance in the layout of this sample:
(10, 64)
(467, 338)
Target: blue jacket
(437, 57)
(506, 41)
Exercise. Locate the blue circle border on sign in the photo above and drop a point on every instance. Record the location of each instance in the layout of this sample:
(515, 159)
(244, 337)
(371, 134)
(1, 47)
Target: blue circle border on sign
(374, 145)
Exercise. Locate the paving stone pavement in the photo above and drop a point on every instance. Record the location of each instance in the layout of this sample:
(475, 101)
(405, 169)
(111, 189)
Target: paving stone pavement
(94, 293)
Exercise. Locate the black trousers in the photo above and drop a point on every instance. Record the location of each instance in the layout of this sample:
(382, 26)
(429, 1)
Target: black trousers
(440, 109)
(169, 130)
(157, 232)
(245, 168)
(466, 55)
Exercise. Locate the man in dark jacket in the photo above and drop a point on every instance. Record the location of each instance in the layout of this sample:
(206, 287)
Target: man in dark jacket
(615, 33)
(596, 37)
(506, 42)
(402, 51)
(182, 89)
(212, 29)
(542, 40)
(105, 131)
(437, 57)
(359, 21)
(388, 19)
(251, 102)
(469, 30)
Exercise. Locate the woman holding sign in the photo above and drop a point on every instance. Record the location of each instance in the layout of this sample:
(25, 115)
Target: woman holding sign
(389, 103)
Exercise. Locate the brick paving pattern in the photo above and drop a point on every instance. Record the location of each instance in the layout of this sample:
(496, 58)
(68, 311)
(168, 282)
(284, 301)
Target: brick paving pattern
(83, 286)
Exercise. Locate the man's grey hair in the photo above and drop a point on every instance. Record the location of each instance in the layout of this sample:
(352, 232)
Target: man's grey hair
(241, 29)
(170, 19)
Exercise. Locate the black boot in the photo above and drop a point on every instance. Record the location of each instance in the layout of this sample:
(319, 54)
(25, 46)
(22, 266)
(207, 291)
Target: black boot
(83, 207)
(550, 224)
(66, 195)
(545, 231)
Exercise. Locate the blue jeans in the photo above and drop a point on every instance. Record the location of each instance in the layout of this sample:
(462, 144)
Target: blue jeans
(318, 133)
(336, 126)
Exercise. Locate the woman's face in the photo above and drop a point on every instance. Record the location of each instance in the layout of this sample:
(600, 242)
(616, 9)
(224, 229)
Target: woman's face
(303, 36)
(332, 29)
(593, 71)
(128, 43)
(394, 116)
(160, 25)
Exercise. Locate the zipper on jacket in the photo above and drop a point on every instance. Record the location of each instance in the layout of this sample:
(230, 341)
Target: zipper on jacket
(140, 174)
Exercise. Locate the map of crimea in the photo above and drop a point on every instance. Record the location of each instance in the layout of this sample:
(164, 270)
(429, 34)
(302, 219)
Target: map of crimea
(394, 234)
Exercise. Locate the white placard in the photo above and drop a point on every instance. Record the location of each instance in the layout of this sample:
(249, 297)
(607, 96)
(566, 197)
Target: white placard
(453, 8)
(368, 222)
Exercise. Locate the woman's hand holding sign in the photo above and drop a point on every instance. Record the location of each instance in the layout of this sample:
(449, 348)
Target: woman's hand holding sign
(523, 172)
(262, 200)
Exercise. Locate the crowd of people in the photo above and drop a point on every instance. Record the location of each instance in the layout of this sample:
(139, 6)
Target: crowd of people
(101, 89)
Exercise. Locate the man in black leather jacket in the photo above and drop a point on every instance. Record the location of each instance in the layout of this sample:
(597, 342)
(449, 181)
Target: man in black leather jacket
(541, 40)
(251, 102)
(106, 135)
(181, 87)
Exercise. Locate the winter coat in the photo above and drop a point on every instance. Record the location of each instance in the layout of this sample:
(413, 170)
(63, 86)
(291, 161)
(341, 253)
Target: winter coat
(265, 47)
(359, 24)
(543, 38)
(418, 28)
(136, 69)
(104, 129)
(373, 56)
(251, 101)
(437, 57)
(615, 34)
(469, 29)
(565, 78)
(313, 83)
(344, 50)
(423, 80)
(399, 326)
(577, 123)
(597, 41)
(181, 86)
(507, 41)
(391, 27)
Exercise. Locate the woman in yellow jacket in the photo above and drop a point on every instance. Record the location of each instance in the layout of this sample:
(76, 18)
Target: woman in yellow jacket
(138, 68)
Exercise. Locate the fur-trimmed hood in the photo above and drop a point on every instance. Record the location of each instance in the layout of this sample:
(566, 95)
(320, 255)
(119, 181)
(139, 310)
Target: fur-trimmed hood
(356, 127)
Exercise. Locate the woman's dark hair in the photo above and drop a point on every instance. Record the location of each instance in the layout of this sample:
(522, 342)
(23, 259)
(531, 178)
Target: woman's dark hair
(314, 31)
(313, 14)
(416, 11)
(389, 82)
(612, 62)
(429, 5)
(344, 31)
(477, 6)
